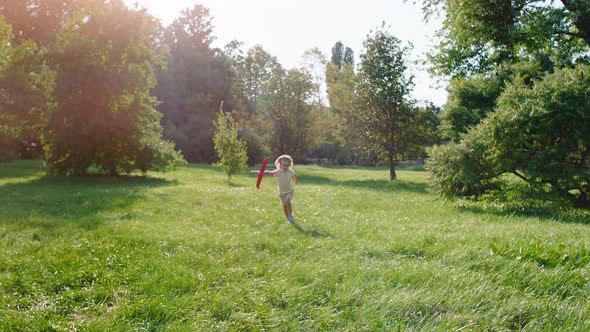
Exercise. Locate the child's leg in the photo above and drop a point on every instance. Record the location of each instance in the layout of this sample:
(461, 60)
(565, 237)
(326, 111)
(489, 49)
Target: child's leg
(287, 204)
(285, 208)
(286, 200)
(289, 209)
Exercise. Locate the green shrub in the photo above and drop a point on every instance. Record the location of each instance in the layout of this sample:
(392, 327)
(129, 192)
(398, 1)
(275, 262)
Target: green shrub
(231, 150)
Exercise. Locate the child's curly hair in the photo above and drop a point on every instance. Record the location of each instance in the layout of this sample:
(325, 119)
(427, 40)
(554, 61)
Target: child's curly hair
(284, 157)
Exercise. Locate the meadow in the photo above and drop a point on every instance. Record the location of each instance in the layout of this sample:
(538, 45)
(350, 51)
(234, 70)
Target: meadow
(188, 251)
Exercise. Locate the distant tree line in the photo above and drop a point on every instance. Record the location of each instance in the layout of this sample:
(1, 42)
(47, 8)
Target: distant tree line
(94, 83)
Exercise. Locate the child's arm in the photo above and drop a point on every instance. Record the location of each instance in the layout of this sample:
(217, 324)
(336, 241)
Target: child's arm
(294, 178)
(265, 172)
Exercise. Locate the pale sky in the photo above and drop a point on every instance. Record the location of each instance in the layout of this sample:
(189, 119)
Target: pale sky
(286, 28)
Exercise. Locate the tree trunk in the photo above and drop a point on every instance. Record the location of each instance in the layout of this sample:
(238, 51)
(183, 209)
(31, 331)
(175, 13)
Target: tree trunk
(583, 197)
(392, 175)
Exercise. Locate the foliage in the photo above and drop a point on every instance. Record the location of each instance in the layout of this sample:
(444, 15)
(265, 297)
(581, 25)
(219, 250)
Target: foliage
(542, 131)
(254, 146)
(538, 133)
(477, 36)
(38, 21)
(255, 72)
(341, 55)
(230, 149)
(341, 89)
(466, 167)
(284, 105)
(472, 99)
(382, 87)
(104, 114)
(197, 78)
(25, 88)
(469, 102)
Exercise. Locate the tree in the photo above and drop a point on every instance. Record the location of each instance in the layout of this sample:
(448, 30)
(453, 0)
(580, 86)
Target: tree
(25, 87)
(104, 114)
(256, 71)
(338, 54)
(539, 133)
(37, 20)
(383, 89)
(230, 149)
(326, 142)
(284, 104)
(472, 99)
(348, 56)
(469, 102)
(340, 87)
(477, 36)
(197, 78)
(341, 55)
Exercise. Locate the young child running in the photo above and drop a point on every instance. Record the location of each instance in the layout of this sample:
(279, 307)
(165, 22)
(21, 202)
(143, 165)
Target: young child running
(286, 180)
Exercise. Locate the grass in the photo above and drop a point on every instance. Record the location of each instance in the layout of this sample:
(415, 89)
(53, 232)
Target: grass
(186, 250)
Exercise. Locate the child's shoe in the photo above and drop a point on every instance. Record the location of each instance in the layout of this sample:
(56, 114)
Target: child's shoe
(290, 219)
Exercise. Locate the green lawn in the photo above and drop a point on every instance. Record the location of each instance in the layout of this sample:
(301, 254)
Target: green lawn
(187, 251)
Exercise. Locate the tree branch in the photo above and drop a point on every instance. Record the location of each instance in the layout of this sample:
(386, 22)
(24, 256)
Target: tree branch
(515, 172)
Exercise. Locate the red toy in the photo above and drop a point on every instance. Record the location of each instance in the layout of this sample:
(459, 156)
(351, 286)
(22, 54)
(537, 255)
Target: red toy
(261, 172)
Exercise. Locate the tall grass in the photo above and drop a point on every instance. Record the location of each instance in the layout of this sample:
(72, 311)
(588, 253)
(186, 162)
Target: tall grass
(187, 250)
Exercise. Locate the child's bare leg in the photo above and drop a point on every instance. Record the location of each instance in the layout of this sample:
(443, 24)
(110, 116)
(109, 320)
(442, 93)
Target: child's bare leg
(286, 209)
(289, 208)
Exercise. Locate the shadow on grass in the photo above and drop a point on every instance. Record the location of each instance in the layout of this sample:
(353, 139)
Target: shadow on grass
(379, 185)
(418, 167)
(56, 201)
(312, 233)
(545, 211)
(20, 169)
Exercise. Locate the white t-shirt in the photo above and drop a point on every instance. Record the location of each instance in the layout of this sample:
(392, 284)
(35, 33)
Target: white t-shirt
(285, 181)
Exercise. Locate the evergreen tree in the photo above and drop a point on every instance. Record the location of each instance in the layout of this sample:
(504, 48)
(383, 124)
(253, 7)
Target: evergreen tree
(337, 54)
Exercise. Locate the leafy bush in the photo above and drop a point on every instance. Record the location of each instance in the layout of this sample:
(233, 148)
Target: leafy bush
(231, 150)
(543, 131)
(538, 133)
(465, 168)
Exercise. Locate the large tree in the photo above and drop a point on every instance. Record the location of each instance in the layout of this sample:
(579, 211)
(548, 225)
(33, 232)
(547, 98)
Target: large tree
(255, 71)
(383, 87)
(285, 106)
(37, 20)
(340, 88)
(477, 36)
(25, 86)
(104, 114)
(197, 79)
(538, 133)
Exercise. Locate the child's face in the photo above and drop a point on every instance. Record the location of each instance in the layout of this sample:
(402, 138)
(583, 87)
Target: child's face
(285, 165)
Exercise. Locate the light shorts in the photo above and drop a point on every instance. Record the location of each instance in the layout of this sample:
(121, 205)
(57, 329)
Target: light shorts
(286, 197)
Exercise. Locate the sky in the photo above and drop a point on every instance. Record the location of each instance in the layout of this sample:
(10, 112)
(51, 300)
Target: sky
(286, 28)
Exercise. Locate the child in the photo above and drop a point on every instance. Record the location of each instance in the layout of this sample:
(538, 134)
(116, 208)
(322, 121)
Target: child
(286, 180)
